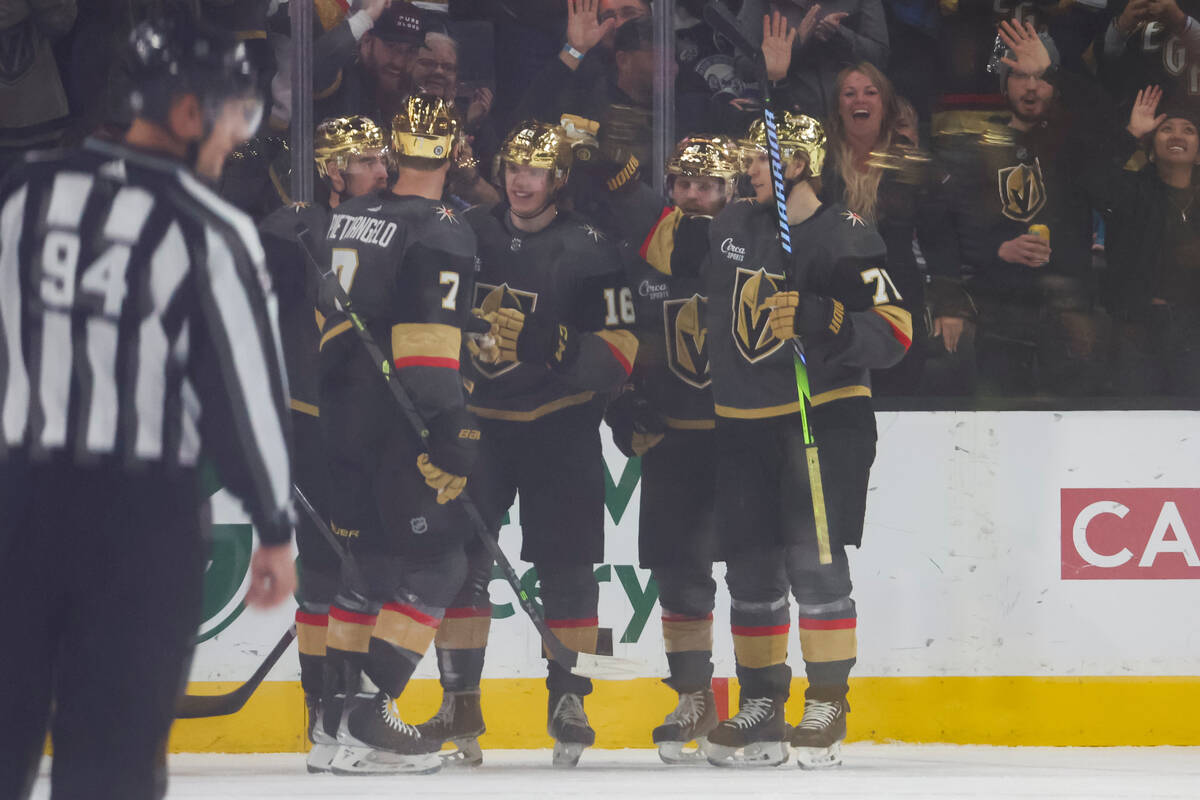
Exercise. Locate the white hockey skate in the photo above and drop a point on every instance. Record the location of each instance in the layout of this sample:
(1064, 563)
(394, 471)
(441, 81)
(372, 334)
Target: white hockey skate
(754, 737)
(324, 747)
(691, 721)
(818, 738)
(375, 741)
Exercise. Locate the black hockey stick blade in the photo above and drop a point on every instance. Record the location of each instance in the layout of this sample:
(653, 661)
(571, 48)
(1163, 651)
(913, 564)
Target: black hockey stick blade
(722, 20)
(191, 706)
(583, 664)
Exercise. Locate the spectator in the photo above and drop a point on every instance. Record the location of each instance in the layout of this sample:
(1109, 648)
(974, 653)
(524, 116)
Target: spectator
(1037, 327)
(1153, 249)
(1152, 42)
(831, 36)
(913, 28)
(33, 104)
(435, 71)
(906, 202)
(334, 51)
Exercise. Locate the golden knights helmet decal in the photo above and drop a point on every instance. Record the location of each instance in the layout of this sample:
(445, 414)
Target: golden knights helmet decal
(489, 297)
(687, 340)
(1022, 191)
(751, 332)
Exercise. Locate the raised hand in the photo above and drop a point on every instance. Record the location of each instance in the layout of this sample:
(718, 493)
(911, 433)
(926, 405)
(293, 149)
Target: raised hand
(778, 39)
(1142, 119)
(1031, 56)
(375, 8)
(809, 23)
(584, 29)
(829, 25)
(481, 104)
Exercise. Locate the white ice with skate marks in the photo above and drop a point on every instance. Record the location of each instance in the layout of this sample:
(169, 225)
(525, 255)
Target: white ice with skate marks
(870, 771)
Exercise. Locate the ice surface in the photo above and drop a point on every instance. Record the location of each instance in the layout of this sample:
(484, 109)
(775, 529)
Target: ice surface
(870, 771)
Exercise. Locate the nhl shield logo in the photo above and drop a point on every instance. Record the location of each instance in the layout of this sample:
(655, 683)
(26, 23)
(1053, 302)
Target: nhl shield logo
(489, 297)
(1022, 191)
(687, 340)
(751, 332)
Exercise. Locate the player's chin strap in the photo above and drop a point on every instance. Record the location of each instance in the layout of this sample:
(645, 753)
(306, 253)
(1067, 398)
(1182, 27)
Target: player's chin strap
(723, 22)
(586, 665)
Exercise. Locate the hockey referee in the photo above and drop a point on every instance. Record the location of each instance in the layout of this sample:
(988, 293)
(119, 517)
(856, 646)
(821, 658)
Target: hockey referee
(137, 334)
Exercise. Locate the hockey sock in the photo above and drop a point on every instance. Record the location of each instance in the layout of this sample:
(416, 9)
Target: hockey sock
(401, 637)
(829, 643)
(312, 622)
(688, 641)
(760, 634)
(461, 643)
(571, 597)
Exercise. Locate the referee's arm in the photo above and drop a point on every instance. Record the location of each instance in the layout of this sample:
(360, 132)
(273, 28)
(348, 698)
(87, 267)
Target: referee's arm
(238, 368)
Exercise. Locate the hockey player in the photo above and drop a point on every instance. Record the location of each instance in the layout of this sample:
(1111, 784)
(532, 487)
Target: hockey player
(841, 308)
(138, 330)
(551, 285)
(665, 416)
(350, 155)
(407, 263)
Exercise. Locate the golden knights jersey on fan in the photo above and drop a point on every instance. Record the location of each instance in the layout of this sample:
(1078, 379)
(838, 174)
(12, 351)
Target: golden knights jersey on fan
(672, 369)
(570, 273)
(836, 254)
(299, 321)
(407, 264)
(128, 291)
(1151, 54)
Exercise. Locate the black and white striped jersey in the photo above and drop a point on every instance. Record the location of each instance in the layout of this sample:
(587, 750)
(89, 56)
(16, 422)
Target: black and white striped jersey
(138, 327)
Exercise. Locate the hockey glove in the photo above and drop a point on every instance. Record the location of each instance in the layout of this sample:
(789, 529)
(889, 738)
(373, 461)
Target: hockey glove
(635, 426)
(812, 317)
(533, 339)
(453, 445)
(482, 345)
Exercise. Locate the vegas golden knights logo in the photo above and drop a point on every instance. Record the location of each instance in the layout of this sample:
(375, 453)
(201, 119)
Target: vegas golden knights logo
(489, 298)
(750, 329)
(1022, 191)
(687, 340)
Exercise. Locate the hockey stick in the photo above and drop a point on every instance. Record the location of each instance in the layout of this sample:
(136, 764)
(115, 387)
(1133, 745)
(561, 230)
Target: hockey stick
(725, 23)
(586, 665)
(191, 706)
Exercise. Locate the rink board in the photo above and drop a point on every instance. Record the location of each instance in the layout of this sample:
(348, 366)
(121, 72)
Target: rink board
(1020, 582)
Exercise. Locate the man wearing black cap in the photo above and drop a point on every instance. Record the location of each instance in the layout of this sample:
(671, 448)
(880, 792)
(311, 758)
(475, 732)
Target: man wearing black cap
(377, 83)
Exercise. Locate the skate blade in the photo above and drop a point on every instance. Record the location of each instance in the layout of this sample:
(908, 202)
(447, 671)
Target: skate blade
(320, 757)
(752, 756)
(819, 757)
(566, 754)
(674, 752)
(369, 761)
(466, 753)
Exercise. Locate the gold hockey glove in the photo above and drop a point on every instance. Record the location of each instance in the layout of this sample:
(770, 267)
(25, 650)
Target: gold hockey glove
(804, 314)
(533, 339)
(448, 485)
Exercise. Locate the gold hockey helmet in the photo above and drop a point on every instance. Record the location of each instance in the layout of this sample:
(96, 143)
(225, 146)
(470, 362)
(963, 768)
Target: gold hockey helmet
(705, 157)
(538, 144)
(798, 133)
(340, 138)
(425, 128)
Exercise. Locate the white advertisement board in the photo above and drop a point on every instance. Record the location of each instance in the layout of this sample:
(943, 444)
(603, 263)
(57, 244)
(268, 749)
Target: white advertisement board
(1015, 543)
